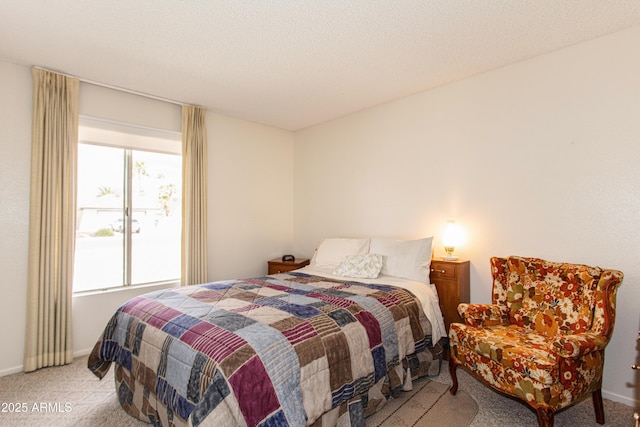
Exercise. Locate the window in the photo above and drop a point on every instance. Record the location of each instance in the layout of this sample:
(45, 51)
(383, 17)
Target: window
(129, 207)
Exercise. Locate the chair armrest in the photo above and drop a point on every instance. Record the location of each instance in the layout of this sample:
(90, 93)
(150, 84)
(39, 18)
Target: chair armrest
(577, 345)
(482, 314)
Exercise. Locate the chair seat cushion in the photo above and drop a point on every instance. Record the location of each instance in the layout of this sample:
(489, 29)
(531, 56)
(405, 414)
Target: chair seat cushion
(514, 347)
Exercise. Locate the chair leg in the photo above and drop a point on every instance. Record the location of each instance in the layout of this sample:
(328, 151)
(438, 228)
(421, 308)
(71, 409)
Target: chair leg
(454, 378)
(545, 417)
(596, 396)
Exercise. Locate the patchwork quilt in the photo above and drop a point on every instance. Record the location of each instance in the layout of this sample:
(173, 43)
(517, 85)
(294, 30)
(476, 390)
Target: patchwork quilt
(281, 350)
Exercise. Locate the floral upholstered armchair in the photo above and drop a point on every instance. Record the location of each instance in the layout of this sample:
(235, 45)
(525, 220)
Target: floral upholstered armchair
(543, 338)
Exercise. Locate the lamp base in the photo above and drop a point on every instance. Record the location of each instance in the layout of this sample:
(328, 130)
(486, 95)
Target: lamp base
(449, 257)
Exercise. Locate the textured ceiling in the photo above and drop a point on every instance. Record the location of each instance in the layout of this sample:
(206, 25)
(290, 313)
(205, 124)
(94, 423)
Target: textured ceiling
(292, 64)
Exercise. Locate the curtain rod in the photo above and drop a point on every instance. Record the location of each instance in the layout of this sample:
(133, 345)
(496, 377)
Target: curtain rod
(121, 89)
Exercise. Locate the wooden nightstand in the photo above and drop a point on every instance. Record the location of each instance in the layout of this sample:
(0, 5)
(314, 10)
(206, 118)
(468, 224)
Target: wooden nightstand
(452, 282)
(278, 266)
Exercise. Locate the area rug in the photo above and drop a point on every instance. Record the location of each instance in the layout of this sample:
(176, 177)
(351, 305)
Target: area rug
(429, 403)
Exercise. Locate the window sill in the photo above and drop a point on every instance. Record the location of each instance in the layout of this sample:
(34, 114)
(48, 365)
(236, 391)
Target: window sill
(149, 287)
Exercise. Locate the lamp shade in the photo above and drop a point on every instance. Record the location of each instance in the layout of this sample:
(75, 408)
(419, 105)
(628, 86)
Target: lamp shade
(452, 235)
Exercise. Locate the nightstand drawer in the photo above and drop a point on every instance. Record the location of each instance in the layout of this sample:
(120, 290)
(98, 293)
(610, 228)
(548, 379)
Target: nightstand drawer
(443, 270)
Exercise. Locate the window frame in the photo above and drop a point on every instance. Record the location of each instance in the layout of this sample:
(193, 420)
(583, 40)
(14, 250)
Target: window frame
(129, 138)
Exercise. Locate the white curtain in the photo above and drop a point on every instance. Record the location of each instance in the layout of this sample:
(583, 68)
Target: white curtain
(48, 338)
(194, 196)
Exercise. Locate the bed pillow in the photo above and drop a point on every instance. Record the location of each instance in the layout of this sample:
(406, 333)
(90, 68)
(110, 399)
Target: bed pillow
(332, 251)
(365, 266)
(409, 259)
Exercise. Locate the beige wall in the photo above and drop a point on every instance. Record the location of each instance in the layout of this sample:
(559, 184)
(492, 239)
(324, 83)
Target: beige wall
(250, 196)
(539, 158)
(250, 192)
(15, 152)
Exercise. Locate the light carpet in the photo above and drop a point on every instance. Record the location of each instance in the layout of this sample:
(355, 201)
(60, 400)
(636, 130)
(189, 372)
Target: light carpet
(72, 396)
(428, 404)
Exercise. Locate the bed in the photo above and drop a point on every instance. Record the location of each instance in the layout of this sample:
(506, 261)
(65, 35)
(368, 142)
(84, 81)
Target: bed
(324, 345)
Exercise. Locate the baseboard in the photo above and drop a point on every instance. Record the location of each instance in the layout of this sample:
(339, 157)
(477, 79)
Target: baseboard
(17, 369)
(10, 371)
(619, 398)
(81, 353)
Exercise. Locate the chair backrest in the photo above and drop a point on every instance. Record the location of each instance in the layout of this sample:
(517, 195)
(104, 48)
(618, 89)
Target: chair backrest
(555, 298)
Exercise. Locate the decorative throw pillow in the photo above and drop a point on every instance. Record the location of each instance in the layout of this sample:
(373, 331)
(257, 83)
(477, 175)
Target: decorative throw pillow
(366, 266)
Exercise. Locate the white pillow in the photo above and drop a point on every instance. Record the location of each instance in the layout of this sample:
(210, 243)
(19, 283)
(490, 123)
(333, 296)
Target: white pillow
(365, 266)
(332, 251)
(409, 259)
